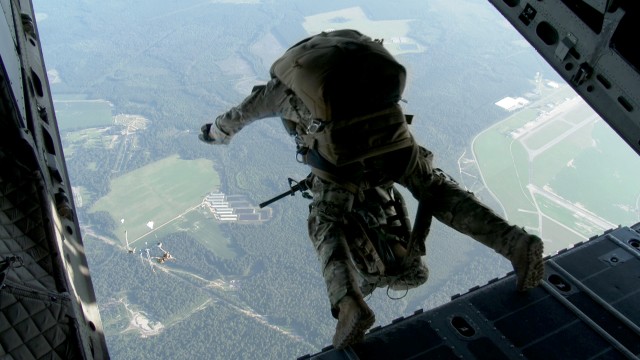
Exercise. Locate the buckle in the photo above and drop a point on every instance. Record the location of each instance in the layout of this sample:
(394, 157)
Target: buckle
(315, 126)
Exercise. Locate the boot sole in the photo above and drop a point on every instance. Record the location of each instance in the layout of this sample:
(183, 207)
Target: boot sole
(354, 332)
(535, 269)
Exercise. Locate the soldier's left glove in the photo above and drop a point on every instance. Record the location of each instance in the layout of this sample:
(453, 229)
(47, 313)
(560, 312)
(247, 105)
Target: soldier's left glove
(212, 134)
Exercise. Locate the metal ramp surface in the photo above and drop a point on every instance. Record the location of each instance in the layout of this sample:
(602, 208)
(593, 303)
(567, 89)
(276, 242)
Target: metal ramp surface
(586, 308)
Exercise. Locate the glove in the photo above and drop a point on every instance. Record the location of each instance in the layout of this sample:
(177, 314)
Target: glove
(211, 134)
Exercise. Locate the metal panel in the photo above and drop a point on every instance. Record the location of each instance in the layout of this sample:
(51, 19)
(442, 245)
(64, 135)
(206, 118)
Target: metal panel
(9, 54)
(47, 303)
(586, 308)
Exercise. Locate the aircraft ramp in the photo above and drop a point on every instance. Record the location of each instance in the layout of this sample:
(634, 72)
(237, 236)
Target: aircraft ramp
(586, 308)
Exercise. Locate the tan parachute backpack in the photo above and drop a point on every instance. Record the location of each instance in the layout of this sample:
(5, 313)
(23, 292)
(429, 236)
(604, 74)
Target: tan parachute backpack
(351, 85)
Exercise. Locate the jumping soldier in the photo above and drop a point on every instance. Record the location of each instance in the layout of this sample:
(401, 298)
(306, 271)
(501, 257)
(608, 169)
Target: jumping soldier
(338, 93)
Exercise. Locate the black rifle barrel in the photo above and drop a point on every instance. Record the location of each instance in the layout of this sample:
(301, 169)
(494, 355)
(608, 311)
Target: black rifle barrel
(290, 192)
(302, 185)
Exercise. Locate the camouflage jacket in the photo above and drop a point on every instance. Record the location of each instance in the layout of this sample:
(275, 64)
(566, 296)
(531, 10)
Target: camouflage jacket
(270, 100)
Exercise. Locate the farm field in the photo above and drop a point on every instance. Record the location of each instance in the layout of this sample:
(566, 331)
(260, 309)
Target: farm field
(557, 169)
(145, 200)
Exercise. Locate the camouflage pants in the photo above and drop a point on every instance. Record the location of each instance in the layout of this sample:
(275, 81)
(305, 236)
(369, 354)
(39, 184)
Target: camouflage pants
(439, 196)
(326, 231)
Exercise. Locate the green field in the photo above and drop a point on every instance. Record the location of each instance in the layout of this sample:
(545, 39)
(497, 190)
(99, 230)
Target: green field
(86, 139)
(81, 114)
(394, 32)
(574, 158)
(504, 166)
(546, 133)
(201, 225)
(168, 193)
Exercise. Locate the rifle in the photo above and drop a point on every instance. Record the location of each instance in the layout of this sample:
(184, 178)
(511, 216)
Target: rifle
(302, 186)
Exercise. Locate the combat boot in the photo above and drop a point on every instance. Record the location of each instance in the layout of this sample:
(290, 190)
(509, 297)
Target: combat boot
(413, 274)
(524, 251)
(412, 271)
(354, 319)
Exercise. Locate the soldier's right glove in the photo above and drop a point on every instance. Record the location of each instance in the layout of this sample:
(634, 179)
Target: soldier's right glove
(212, 134)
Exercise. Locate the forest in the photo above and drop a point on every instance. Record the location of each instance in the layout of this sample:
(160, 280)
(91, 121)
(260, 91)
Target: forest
(164, 60)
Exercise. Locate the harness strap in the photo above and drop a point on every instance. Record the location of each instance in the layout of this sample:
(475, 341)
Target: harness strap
(325, 175)
(417, 246)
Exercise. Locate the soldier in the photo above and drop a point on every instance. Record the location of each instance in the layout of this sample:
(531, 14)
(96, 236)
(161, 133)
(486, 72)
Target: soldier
(338, 94)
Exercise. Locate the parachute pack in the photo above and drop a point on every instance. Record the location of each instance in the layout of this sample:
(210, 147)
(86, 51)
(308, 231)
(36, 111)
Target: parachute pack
(341, 74)
(351, 85)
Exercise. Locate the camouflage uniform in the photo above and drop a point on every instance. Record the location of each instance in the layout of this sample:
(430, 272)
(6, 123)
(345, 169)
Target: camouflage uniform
(439, 196)
(335, 190)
